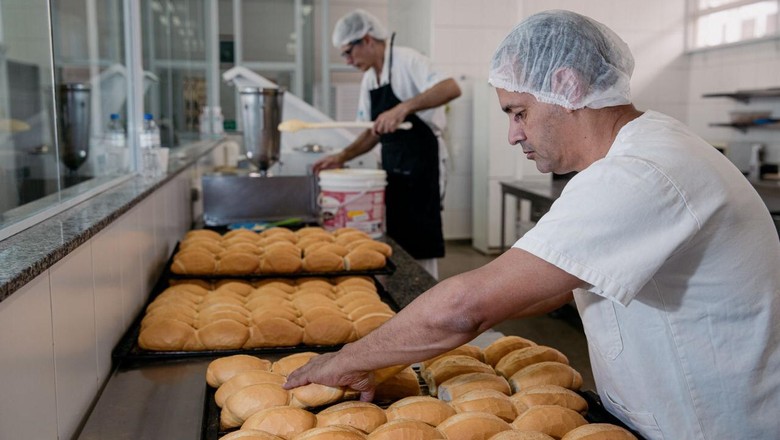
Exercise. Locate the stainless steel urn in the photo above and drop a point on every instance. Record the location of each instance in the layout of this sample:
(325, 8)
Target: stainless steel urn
(74, 117)
(261, 113)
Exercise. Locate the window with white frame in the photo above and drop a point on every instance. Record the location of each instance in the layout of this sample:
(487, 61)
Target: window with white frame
(714, 23)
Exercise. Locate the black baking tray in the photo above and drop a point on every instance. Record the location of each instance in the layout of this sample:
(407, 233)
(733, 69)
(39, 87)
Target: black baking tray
(211, 412)
(127, 351)
(389, 269)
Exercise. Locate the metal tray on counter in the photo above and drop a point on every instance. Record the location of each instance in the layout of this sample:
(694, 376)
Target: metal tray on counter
(127, 351)
(389, 269)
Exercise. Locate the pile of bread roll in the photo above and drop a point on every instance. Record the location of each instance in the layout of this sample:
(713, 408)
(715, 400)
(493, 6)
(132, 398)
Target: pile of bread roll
(514, 389)
(272, 313)
(278, 251)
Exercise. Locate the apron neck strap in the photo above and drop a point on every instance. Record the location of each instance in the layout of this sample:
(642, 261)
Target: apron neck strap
(390, 60)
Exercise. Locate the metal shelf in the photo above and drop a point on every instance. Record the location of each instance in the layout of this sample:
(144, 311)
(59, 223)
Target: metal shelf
(745, 96)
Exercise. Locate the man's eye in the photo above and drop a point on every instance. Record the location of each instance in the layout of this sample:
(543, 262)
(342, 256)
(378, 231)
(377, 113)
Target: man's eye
(519, 116)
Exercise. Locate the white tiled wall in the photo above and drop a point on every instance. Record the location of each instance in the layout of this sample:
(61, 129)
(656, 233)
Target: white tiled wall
(57, 332)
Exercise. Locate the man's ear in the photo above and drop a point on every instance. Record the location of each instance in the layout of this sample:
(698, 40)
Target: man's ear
(567, 81)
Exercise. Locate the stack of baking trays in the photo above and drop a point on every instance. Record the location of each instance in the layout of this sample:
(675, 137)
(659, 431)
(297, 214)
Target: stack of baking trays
(262, 304)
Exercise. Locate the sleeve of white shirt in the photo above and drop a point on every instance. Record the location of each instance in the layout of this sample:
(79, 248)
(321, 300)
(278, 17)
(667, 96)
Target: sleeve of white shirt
(420, 70)
(364, 102)
(614, 226)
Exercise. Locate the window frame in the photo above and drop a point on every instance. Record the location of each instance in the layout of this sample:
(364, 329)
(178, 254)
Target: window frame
(693, 13)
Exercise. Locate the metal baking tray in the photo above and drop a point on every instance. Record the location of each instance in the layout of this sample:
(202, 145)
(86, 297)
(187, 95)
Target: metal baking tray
(127, 350)
(389, 269)
(211, 412)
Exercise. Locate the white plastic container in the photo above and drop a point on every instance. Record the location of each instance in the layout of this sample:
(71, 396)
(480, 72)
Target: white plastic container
(353, 198)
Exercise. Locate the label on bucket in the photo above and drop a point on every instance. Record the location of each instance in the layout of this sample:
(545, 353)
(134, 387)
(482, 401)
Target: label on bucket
(364, 210)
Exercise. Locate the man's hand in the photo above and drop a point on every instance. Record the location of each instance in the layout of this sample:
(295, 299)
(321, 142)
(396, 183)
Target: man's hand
(388, 121)
(325, 369)
(327, 163)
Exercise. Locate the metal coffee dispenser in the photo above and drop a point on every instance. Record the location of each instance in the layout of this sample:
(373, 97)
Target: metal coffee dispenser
(74, 117)
(261, 112)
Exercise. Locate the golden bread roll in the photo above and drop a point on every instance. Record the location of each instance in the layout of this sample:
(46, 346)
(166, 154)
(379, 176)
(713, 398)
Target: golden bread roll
(448, 367)
(519, 359)
(486, 401)
(281, 284)
(262, 314)
(283, 421)
(368, 323)
(211, 316)
(355, 280)
(503, 346)
(364, 416)
(249, 400)
(255, 302)
(223, 369)
(312, 313)
(364, 259)
(520, 435)
(324, 291)
(280, 262)
(358, 309)
(240, 233)
(328, 330)
(322, 246)
(307, 230)
(167, 313)
(465, 350)
(245, 379)
(249, 434)
(382, 248)
(314, 395)
(249, 248)
(240, 287)
(167, 335)
(357, 297)
(223, 334)
(313, 240)
(274, 332)
(348, 237)
(206, 233)
(269, 290)
(599, 431)
(403, 384)
(221, 300)
(546, 373)
(423, 408)
(323, 261)
(278, 231)
(237, 263)
(331, 433)
(460, 385)
(292, 362)
(548, 395)
(406, 429)
(552, 420)
(318, 282)
(472, 426)
(213, 247)
(194, 262)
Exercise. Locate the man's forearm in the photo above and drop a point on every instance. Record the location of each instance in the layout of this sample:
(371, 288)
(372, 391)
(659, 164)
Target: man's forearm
(438, 95)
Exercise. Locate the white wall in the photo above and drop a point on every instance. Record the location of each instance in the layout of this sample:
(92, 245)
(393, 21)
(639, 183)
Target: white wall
(57, 332)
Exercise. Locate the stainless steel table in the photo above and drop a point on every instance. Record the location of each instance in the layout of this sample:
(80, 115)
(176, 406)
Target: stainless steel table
(540, 194)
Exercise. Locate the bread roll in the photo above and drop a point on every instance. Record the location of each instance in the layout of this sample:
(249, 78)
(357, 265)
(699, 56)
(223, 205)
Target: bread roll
(237, 262)
(423, 408)
(290, 363)
(331, 433)
(249, 434)
(314, 395)
(211, 246)
(167, 335)
(403, 384)
(552, 420)
(274, 332)
(464, 350)
(472, 426)
(370, 322)
(245, 379)
(206, 233)
(503, 346)
(280, 261)
(283, 421)
(323, 261)
(265, 313)
(278, 231)
(546, 373)
(382, 248)
(364, 259)
(364, 416)
(194, 262)
(599, 431)
(460, 385)
(364, 309)
(448, 367)
(223, 369)
(281, 284)
(548, 395)
(356, 294)
(519, 359)
(223, 334)
(249, 400)
(520, 435)
(240, 233)
(405, 429)
(328, 330)
(486, 401)
(154, 319)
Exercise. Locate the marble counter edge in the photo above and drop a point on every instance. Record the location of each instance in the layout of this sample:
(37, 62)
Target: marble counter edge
(29, 253)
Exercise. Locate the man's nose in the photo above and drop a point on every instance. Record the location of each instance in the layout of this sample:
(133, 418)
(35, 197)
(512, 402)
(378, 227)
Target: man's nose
(516, 135)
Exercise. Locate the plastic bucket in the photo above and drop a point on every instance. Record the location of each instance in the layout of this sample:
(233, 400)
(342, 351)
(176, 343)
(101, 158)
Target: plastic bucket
(353, 198)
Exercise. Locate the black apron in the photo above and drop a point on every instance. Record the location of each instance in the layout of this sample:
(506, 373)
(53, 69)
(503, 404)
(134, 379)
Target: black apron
(411, 160)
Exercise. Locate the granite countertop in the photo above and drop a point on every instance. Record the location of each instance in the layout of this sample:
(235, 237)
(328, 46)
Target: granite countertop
(29, 253)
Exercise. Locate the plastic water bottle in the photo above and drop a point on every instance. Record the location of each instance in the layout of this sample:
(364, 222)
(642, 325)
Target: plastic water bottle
(150, 144)
(116, 144)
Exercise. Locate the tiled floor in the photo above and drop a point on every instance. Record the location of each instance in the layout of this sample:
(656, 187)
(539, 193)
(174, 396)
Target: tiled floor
(559, 330)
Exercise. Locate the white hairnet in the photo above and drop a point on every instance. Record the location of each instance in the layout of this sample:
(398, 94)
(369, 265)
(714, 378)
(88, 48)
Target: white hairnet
(356, 25)
(564, 58)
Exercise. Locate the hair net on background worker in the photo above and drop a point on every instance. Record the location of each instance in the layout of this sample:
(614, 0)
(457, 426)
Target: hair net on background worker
(564, 58)
(356, 25)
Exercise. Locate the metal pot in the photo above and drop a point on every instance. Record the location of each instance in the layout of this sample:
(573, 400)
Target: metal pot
(261, 113)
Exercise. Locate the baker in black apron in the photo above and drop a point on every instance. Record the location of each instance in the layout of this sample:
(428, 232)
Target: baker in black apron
(411, 160)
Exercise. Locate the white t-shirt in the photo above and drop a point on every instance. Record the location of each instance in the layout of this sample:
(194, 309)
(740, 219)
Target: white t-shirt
(682, 262)
(413, 74)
